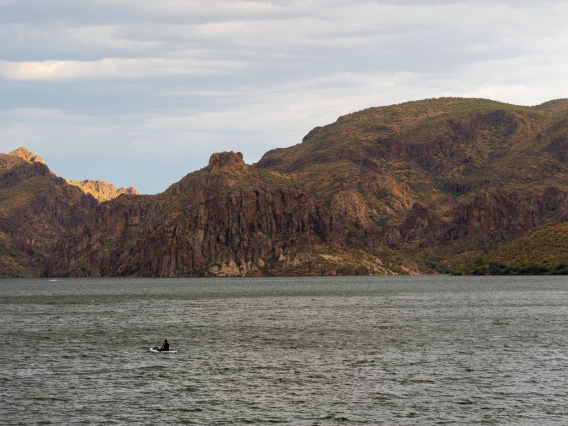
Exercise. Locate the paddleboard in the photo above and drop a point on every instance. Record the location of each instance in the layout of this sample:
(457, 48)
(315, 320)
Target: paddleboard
(155, 350)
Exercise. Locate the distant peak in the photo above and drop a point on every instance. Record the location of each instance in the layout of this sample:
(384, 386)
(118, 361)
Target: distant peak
(26, 155)
(225, 159)
(101, 190)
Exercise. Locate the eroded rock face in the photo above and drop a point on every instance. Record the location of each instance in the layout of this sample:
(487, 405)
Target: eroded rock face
(397, 195)
(349, 205)
(482, 222)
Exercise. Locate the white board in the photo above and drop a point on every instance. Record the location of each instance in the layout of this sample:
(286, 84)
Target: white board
(162, 352)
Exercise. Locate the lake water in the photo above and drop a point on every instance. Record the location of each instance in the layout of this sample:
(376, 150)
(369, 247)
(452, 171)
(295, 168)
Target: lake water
(300, 351)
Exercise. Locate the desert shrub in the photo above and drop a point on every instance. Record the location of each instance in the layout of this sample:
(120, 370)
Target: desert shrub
(500, 268)
(561, 268)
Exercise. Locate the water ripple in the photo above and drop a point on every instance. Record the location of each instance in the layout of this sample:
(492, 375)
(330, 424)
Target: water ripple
(300, 351)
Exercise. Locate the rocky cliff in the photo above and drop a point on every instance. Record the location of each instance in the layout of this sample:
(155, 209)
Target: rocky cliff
(228, 219)
(222, 216)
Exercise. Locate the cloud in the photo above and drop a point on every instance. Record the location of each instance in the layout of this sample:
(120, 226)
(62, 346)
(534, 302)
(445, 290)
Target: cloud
(311, 102)
(174, 80)
(113, 67)
(35, 114)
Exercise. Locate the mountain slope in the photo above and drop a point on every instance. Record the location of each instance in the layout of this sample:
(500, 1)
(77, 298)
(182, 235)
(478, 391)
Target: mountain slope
(441, 175)
(36, 209)
(543, 250)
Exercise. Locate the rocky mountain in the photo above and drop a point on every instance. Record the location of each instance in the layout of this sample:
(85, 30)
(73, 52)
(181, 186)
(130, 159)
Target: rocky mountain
(411, 188)
(101, 190)
(36, 209)
(226, 219)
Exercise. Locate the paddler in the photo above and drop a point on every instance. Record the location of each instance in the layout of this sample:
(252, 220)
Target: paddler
(165, 346)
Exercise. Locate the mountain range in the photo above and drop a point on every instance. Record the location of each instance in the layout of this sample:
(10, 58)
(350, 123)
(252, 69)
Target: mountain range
(420, 187)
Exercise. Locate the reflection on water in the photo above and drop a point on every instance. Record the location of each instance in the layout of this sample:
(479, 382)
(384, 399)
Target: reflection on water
(359, 350)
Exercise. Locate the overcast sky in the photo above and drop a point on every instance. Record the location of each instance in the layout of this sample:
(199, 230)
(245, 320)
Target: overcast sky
(142, 92)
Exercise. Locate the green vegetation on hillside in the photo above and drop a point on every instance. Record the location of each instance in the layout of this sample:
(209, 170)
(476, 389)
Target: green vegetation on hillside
(542, 251)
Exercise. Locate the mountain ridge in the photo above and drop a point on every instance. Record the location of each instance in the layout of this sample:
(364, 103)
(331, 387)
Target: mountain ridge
(420, 187)
(411, 183)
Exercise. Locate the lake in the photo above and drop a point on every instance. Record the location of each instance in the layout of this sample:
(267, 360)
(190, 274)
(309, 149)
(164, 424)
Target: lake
(302, 351)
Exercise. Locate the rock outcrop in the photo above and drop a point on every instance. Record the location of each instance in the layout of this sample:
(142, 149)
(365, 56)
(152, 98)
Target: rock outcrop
(27, 156)
(226, 159)
(101, 190)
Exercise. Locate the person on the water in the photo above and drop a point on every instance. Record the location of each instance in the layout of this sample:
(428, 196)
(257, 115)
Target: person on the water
(165, 346)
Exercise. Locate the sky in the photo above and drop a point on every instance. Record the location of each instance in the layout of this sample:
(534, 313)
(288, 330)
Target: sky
(142, 92)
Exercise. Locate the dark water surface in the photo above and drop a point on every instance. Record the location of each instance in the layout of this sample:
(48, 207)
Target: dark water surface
(299, 351)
